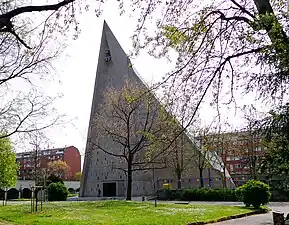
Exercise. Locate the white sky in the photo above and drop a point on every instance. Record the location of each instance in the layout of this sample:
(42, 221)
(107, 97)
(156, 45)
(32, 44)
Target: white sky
(77, 68)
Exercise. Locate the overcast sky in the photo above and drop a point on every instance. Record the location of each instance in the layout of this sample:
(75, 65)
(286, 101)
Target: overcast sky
(77, 69)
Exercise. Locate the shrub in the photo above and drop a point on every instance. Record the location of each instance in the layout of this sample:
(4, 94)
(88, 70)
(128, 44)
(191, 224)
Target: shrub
(205, 194)
(198, 194)
(167, 194)
(255, 193)
(53, 179)
(57, 192)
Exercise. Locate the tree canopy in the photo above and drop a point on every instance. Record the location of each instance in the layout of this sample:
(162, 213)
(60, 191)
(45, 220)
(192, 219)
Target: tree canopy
(59, 169)
(275, 129)
(8, 164)
(126, 127)
(224, 47)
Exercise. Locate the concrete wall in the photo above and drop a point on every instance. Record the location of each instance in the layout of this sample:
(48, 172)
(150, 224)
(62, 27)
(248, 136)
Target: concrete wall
(27, 183)
(99, 167)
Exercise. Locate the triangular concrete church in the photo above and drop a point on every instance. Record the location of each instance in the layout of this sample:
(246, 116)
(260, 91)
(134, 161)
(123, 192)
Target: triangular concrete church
(97, 179)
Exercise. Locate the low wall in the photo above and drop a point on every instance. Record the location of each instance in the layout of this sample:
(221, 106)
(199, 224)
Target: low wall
(28, 183)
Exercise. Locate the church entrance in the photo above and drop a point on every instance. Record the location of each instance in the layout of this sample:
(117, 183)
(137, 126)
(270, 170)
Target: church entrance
(109, 189)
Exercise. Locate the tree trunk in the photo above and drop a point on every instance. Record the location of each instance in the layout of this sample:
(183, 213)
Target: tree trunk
(254, 174)
(201, 177)
(179, 175)
(224, 178)
(264, 7)
(129, 180)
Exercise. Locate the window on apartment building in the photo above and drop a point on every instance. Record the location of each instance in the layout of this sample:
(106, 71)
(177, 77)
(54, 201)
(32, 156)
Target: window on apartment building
(231, 167)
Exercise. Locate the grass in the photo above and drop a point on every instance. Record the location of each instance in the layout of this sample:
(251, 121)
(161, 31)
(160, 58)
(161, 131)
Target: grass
(116, 212)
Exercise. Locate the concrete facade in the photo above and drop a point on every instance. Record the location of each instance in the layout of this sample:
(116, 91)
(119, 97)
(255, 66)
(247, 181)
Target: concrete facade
(98, 175)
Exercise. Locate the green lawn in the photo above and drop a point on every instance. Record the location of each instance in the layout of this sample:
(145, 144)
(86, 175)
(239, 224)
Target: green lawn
(115, 212)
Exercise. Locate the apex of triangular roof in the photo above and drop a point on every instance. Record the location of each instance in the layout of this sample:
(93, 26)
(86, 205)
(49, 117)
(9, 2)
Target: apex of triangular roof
(105, 27)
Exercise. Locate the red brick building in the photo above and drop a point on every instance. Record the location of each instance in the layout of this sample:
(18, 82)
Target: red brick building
(241, 153)
(29, 160)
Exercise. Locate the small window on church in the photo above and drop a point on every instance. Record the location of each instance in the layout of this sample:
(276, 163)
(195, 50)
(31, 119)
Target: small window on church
(107, 52)
(107, 58)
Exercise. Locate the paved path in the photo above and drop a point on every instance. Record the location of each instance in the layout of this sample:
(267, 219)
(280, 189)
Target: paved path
(261, 219)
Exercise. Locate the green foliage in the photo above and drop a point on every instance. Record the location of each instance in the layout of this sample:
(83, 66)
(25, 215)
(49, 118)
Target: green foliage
(276, 142)
(255, 193)
(176, 36)
(57, 192)
(198, 194)
(8, 164)
(78, 176)
(53, 179)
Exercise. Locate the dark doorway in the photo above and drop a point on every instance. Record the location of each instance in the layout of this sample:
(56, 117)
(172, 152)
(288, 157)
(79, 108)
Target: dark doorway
(109, 189)
(26, 193)
(12, 193)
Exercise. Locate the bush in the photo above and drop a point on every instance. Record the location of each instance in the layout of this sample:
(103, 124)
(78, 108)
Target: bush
(205, 194)
(57, 192)
(198, 194)
(53, 179)
(255, 193)
(167, 194)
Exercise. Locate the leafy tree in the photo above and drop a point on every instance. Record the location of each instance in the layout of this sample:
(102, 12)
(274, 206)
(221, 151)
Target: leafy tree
(8, 164)
(78, 176)
(223, 46)
(59, 169)
(275, 129)
(127, 128)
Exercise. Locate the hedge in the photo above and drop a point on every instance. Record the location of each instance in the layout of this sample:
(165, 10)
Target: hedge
(198, 194)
